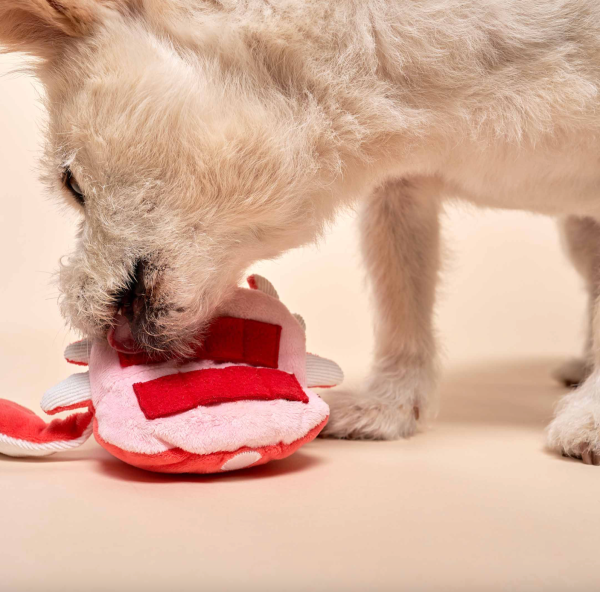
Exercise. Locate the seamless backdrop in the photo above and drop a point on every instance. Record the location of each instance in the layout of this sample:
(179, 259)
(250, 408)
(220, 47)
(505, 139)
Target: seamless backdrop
(473, 503)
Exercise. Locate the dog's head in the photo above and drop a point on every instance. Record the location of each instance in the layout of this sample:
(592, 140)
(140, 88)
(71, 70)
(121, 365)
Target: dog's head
(185, 159)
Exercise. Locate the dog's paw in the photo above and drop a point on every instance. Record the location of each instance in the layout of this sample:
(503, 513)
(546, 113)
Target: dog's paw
(573, 372)
(388, 408)
(575, 431)
(358, 418)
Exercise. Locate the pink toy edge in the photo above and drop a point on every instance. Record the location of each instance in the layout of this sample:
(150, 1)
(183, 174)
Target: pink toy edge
(177, 460)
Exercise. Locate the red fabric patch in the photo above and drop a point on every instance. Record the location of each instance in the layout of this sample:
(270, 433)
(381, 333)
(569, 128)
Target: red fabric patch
(19, 422)
(229, 339)
(176, 393)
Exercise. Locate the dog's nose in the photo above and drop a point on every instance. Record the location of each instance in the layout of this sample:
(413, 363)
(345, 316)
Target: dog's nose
(132, 300)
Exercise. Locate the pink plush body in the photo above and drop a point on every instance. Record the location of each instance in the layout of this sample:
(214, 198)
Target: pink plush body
(208, 414)
(205, 436)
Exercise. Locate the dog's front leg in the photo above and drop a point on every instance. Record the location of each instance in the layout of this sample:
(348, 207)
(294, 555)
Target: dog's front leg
(400, 240)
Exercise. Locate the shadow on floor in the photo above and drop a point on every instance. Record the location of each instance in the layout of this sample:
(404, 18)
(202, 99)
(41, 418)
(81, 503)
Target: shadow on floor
(518, 393)
(504, 392)
(106, 464)
(299, 461)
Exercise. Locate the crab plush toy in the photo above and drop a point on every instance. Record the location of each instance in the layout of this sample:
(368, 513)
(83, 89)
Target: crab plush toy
(242, 399)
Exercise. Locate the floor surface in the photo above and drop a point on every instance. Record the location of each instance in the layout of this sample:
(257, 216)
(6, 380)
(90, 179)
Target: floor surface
(474, 503)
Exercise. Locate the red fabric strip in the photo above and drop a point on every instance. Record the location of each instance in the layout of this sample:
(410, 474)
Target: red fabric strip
(79, 405)
(76, 363)
(228, 339)
(176, 393)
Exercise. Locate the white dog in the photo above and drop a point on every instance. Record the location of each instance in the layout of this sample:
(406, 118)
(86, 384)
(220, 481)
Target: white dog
(197, 136)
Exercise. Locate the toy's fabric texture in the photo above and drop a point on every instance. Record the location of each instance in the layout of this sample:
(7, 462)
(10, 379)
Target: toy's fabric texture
(242, 400)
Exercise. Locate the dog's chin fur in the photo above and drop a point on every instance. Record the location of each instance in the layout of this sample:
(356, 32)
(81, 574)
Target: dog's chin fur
(209, 134)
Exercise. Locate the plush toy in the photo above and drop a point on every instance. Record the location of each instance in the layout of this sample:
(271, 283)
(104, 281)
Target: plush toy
(241, 400)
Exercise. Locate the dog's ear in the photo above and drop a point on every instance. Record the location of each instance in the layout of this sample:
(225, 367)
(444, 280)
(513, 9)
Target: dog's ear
(41, 27)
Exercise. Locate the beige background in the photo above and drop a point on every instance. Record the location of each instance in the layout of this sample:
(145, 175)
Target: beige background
(473, 503)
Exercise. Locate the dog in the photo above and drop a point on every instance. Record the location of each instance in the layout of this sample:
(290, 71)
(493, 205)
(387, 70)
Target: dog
(199, 136)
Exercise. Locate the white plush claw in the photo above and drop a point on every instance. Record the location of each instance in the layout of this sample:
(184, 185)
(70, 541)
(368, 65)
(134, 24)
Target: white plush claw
(321, 372)
(78, 352)
(258, 282)
(300, 320)
(22, 449)
(72, 392)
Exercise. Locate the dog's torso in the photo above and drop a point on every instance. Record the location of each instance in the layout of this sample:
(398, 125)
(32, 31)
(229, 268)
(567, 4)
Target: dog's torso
(497, 99)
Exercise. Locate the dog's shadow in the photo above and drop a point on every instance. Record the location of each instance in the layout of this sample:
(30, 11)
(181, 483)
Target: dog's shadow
(513, 393)
(520, 394)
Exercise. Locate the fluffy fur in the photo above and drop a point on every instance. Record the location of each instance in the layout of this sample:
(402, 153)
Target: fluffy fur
(207, 134)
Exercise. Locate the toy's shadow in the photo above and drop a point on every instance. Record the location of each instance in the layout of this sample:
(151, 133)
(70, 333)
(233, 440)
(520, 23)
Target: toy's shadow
(104, 463)
(87, 454)
(299, 461)
(517, 393)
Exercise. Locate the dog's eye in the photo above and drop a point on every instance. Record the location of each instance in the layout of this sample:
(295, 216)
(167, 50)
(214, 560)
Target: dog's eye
(71, 184)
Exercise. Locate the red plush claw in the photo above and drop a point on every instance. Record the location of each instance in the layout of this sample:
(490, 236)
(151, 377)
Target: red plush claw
(23, 433)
